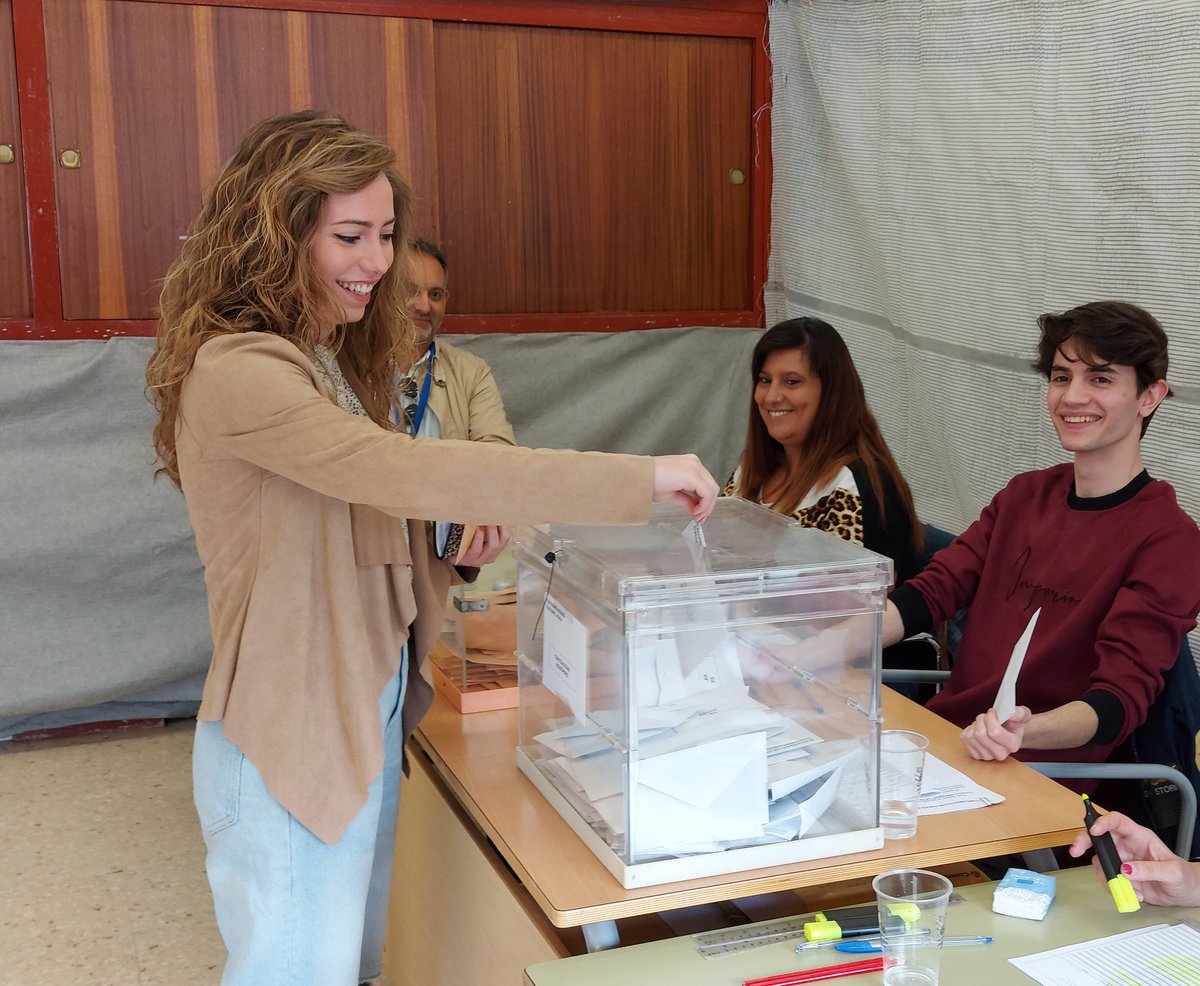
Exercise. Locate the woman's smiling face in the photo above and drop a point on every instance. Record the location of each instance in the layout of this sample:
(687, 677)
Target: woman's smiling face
(787, 393)
(353, 248)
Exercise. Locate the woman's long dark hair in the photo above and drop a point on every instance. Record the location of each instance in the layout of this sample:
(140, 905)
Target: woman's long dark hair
(843, 429)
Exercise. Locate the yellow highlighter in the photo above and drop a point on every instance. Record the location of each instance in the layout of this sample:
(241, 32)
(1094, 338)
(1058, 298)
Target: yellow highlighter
(848, 922)
(1122, 890)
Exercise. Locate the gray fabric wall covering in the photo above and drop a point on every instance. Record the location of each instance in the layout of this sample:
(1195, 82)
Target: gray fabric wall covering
(102, 606)
(100, 587)
(656, 392)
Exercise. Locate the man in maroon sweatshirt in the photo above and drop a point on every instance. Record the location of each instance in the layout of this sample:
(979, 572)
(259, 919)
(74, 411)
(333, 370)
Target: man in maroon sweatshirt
(1103, 550)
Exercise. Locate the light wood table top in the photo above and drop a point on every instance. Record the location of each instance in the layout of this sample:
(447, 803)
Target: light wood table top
(475, 756)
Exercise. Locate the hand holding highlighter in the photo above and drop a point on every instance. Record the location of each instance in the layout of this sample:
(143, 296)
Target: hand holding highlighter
(1110, 862)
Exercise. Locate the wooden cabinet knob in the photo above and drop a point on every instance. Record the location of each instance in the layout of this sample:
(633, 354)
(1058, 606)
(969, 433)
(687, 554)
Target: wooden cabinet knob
(6, 154)
(70, 158)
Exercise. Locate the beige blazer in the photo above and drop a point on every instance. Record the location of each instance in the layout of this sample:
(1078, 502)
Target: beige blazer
(465, 398)
(299, 514)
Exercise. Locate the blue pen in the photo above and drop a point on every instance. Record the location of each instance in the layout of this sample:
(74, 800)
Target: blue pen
(808, 946)
(876, 945)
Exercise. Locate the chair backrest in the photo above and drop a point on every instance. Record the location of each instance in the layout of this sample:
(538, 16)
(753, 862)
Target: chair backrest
(1168, 736)
(950, 633)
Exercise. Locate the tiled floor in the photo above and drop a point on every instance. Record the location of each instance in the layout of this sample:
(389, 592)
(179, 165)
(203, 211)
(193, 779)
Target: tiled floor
(102, 864)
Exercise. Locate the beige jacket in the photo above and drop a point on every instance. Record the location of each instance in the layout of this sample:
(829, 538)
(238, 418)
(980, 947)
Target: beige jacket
(312, 586)
(465, 398)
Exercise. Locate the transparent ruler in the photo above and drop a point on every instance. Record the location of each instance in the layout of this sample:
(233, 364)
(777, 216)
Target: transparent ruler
(731, 941)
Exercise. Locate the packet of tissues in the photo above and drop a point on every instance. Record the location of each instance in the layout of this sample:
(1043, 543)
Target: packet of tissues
(1024, 894)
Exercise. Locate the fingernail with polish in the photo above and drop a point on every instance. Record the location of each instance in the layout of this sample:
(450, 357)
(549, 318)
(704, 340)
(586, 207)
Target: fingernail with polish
(1127, 869)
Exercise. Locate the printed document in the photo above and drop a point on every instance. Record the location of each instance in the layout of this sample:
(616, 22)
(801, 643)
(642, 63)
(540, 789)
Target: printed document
(1161, 955)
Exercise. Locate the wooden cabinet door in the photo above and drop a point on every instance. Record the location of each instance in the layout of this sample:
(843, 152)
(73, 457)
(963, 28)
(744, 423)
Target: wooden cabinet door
(594, 171)
(153, 97)
(457, 915)
(14, 236)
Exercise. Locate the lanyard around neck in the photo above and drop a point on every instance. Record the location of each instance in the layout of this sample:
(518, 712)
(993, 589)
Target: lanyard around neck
(423, 400)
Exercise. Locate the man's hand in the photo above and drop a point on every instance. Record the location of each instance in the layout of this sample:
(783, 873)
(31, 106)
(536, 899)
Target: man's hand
(485, 546)
(987, 738)
(1064, 728)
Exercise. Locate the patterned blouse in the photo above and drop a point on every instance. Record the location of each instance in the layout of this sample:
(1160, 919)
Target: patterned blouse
(847, 507)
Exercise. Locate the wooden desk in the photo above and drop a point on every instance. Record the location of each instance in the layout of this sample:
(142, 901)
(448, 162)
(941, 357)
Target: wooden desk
(1082, 911)
(474, 755)
(557, 878)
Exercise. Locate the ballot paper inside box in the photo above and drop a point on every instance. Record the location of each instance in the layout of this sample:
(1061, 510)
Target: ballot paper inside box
(695, 704)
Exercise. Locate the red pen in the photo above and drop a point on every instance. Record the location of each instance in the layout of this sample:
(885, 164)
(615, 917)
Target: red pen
(817, 975)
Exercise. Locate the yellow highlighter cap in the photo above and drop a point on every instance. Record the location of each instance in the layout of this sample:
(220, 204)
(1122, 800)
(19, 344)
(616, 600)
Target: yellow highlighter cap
(1123, 894)
(906, 911)
(822, 929)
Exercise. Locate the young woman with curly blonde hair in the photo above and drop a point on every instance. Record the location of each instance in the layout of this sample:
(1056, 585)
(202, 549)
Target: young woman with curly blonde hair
(281, 324)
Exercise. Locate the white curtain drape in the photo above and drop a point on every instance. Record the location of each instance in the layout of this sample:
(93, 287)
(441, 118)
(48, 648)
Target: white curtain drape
(944, 172)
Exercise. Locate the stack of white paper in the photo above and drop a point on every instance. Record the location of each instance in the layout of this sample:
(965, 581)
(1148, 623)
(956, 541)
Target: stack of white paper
(712, 766)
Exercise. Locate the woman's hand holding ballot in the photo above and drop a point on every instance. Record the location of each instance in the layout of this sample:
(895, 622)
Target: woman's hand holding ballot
(683, 480)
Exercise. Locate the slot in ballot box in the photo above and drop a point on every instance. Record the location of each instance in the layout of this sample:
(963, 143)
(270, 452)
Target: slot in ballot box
(695, 705)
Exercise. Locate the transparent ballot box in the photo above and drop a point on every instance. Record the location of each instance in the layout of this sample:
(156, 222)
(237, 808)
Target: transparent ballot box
(473, 662)
(695, 705)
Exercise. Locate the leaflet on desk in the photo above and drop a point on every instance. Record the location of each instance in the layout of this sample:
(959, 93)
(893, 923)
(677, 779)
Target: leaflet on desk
(944, 789)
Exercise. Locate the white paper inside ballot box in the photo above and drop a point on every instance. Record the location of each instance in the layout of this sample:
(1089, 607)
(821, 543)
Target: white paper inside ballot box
(703, 717)
(598, 776)
(694, 798)
(795, 815)
(793, 773)
(669, 667)
(709, 716)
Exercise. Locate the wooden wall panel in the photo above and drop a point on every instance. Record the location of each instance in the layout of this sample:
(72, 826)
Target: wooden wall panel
(157, 150)
(378, 73)
(570, 170)
(122, 95)
(170, 89)
(269, 61)
(14, 238)
(251, 53)
(589, 171)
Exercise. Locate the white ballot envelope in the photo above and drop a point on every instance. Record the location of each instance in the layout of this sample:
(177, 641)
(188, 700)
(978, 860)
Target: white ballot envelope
(1006, 696)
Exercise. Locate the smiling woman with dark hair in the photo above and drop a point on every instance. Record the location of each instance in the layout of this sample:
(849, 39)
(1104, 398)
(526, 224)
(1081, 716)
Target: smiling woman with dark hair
(814, 450)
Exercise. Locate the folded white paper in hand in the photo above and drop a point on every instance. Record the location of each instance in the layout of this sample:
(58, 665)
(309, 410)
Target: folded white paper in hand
(1006, 696)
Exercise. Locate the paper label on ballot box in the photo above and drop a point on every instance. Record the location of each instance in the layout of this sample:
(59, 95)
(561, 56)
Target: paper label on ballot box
(564, 657)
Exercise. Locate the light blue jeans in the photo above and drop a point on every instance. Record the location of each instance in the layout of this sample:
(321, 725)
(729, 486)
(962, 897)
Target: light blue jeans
(292, 910)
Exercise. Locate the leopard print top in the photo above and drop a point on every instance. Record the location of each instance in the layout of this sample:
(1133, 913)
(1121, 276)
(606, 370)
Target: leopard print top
(836, 509)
